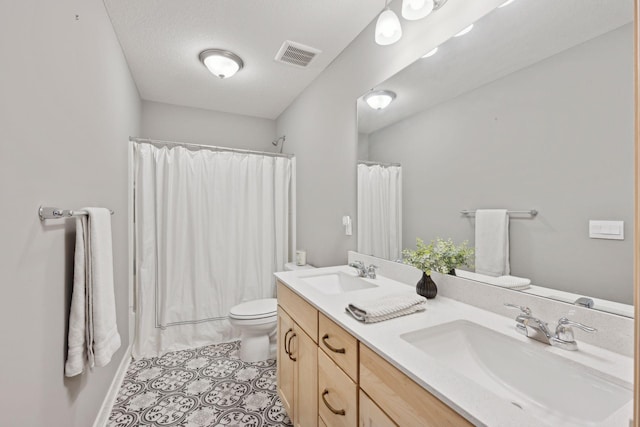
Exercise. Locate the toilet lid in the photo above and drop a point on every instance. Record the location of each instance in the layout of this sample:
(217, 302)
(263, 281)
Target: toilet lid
(255, 309)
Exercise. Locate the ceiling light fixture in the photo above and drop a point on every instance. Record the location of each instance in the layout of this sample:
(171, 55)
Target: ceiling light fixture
(430, 53)
(418, 9)
(388, 29)
(465, 31)
(221, 63)
(379, 99)
(507, 3)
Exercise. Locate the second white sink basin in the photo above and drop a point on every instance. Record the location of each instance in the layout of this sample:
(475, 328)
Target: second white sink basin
(547, 386)
(336, 283)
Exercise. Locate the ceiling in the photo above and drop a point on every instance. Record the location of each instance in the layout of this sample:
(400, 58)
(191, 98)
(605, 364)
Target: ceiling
(161, 40)
(504, 41)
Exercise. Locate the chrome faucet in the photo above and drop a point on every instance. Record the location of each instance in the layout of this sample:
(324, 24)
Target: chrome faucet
(358, 265)
(537, 329)
(371, 271)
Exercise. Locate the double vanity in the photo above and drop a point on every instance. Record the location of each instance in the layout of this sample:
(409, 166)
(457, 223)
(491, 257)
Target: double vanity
(452, 364)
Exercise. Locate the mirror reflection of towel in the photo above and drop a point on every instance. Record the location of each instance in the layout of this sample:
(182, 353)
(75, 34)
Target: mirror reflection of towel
(492, 242)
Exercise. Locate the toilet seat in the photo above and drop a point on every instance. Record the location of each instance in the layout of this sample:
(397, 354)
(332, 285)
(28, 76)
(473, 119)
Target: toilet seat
(255, 310)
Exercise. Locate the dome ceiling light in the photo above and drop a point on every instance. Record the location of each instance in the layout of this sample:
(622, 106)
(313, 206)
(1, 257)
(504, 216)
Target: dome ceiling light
(222, 63)
(417, 9)
(379, 99)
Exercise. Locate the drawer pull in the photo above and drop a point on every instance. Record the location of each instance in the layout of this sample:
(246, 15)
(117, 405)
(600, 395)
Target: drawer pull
(293, 335)
(330, 347)
(284, 341)
(335, 411)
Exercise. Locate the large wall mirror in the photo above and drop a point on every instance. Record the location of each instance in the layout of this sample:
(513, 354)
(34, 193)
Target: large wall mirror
(531, 109)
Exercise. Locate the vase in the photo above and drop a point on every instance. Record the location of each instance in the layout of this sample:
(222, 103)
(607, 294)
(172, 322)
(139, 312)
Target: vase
(426, 287)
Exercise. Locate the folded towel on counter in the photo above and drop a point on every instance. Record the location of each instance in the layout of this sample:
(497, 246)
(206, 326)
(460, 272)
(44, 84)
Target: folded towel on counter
(93, 333)
(510, 282)
(492, 242)
(387, 307)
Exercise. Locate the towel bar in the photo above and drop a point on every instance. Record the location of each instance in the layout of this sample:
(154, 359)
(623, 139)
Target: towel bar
(532, 212)
(55, 213)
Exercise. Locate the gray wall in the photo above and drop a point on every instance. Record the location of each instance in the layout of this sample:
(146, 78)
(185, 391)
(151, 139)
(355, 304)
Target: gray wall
(198, 126)
(67, 106)
(556, 136)
(322, 131)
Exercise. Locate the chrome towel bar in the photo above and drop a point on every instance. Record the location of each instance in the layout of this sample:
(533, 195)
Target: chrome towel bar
(531, 212)
(55, 213)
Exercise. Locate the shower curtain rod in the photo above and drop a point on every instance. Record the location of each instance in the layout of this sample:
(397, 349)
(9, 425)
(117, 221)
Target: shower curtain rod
(207, 147)
(365, 162)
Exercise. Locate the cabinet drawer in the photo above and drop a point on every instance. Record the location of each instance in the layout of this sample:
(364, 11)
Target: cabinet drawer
(371, 415)
(304, 314)
(407, 403)
(337, 394)
(339, 345)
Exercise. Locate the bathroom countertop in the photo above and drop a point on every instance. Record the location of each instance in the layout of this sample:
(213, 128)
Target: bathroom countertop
(471, 400)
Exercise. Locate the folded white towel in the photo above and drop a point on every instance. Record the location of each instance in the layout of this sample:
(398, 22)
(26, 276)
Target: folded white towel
(492, 242)
(93, 331)
(387, 308)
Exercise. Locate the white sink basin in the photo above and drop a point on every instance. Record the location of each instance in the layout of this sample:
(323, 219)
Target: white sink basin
(547, 386)
(337, 283)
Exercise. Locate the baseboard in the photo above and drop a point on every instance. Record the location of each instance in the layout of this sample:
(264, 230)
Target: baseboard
(112, 393)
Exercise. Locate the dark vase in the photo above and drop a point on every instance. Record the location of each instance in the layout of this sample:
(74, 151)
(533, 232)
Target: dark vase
(426, 287)
(452, 272)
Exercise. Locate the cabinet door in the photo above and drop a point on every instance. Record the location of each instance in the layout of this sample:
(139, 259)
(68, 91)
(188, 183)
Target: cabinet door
(305, 352)
(286, 364)
(338, 394)
(371, 415)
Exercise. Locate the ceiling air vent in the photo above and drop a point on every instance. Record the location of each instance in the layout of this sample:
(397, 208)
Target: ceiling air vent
(297, 54)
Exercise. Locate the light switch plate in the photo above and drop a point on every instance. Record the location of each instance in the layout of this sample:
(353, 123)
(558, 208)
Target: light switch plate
(613, 230)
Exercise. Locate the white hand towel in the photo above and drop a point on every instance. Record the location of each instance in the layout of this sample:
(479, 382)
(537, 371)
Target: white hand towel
(93, 332)
(76, 342)
(387, 308)
(492, 242)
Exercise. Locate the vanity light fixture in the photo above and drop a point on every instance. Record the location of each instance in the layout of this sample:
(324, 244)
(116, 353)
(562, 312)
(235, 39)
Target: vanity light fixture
(379, 99)
(507, 3)
(388, 29)
(418, 9)
(221, 63)
(431, 52)
(465, 31)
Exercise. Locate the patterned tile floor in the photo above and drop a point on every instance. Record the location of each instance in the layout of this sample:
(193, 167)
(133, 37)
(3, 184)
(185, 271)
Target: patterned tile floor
(206, 386)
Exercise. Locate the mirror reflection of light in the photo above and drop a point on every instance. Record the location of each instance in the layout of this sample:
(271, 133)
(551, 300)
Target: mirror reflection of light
(430, 53)
(388, 29)
(465, 31)
(379, 99)
(507, 3)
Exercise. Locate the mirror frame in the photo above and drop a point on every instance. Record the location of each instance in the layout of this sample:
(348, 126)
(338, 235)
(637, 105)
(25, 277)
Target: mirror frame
(636, 228)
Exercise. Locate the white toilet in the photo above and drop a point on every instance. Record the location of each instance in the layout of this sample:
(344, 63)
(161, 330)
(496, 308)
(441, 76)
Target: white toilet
(257, 321)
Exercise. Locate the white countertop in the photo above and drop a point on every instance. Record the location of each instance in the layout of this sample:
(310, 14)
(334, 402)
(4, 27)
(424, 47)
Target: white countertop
(468, 398)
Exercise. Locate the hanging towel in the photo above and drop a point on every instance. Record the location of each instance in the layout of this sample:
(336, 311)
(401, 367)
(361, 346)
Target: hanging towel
(387, 308)
(492, 242)
(93, 332)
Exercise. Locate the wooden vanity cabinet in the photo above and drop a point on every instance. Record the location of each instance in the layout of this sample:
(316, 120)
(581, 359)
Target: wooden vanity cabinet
(297, 358)
(327, 378)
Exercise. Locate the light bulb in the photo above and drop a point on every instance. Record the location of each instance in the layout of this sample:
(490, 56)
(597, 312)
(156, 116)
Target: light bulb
(388, 29)
(416, 9)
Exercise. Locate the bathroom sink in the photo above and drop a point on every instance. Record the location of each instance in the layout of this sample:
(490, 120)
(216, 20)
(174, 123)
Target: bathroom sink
(337, 283)
(548, 386)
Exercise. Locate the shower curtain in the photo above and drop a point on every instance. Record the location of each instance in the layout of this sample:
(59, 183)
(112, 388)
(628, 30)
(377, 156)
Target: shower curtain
(211, 228)
(380, 211)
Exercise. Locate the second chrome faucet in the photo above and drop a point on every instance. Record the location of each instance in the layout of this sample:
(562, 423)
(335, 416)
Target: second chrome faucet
(537, 329)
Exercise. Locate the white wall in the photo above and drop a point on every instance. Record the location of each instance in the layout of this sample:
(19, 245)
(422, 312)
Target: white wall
(556, 136)
(321, 125)
(67, 107)
(197, 126)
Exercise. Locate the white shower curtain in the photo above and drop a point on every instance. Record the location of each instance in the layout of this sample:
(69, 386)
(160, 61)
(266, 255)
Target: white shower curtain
(211, 227)
(380, 211)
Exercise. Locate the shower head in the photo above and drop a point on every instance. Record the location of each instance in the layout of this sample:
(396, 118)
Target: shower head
(277, 141)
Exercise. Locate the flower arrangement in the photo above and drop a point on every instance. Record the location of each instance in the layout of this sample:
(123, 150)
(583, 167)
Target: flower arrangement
(440, 255)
